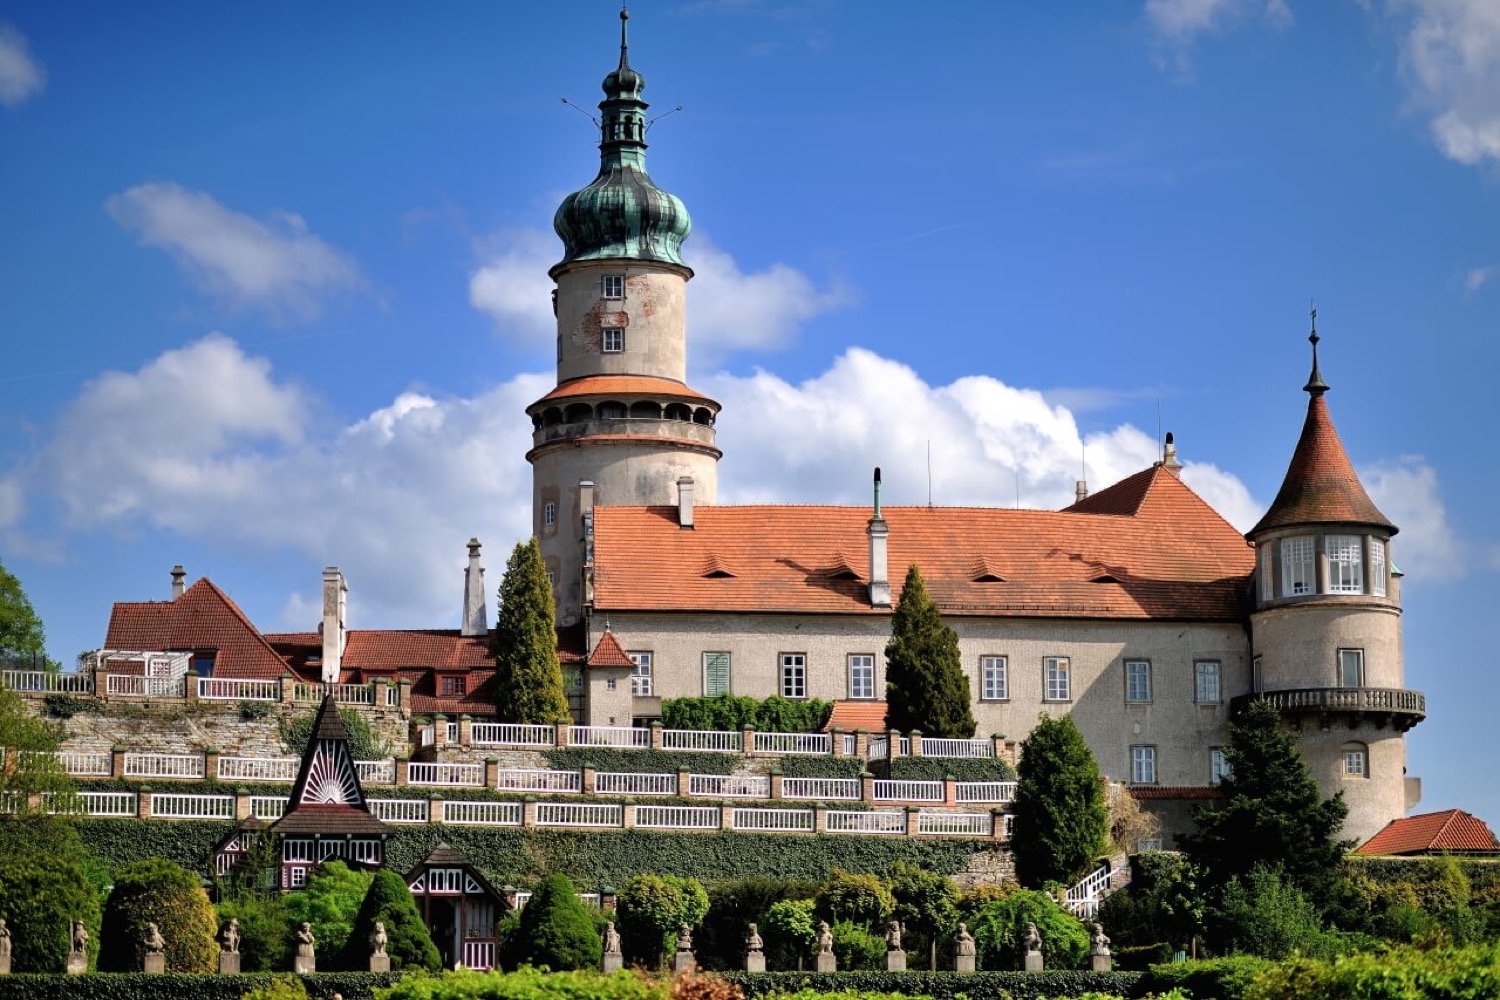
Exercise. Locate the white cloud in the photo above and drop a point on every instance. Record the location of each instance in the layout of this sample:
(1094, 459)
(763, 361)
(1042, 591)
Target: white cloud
(1451, 57)
(1178, 24)
(729, 309)
(1478, 276)
(1406, 491)
(277, 265)
(21, 76)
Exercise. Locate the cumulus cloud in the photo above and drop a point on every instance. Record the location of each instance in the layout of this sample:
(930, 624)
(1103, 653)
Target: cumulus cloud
(729, 309)
(21, 76)
(1451, 56)
(1406, 491)
(1177, 24)
(277, 265)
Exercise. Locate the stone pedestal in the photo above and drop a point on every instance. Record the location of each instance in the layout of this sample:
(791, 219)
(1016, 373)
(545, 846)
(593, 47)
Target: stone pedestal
(78, 963)
(1033, 961)
(4, 965)
(827, 963)
(229, 963)
(683, 961)
(1101, 963)
(304, 965)
(380, 963)
(755, 961)
(611, 963)
(154, 964)
(963, 963)
(895, 961)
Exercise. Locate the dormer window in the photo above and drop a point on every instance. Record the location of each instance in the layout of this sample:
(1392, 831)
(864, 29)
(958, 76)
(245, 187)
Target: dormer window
(613, 286)
(1299, 573)
(1346, 564)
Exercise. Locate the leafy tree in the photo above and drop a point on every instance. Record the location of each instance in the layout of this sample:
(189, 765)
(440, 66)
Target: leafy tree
(733, 903)
(329, 901)
(556, 930)
(528, 677)
(926, 905)
(266, 930)
(861, 899)
(29, 743)
(23, 641)
(1272, 814)
(999, 929)
(925, 685)
(1060, 815)
(651, 908)
(408, 942)
(1262, 914)
(790, 932)
(159, 892)
(1158, 913)
(857, 948)
(40, 897)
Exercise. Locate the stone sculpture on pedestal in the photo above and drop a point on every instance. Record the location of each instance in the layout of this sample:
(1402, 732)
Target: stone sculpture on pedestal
(78, 954)
(895, 955)
(826, 960)
(307, 956)
(1100, 959)
(1032, 943)
(153, 951)
(229, 948)
(684, 961)
(4, 948)
(611, 960)
(963, 950)
(379, 960)
(755, 956)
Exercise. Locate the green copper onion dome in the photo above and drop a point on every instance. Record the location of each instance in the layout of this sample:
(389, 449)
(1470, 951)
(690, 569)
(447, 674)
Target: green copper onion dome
(622, 214)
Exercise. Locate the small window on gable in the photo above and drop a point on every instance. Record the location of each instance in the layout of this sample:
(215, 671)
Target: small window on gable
(612, 340)
(454, 686)
(613, 286)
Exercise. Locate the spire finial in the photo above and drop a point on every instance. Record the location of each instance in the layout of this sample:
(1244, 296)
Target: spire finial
(624, 39)
(1315, 385)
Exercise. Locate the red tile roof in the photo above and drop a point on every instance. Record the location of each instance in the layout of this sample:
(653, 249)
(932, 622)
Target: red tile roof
(852, 715)
(478, 697)
(202, 618)
(383, 651)
(1171, 554)
(609, 653)
(1432, 833)
(622, 385)
(1174, 792)
(1320, 484)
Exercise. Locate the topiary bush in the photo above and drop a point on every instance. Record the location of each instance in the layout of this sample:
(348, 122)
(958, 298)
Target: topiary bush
(857, 948)
(168, 895)
(961, 768)
(790, 932)
(999, 927)
(732, 713)
(862, 899)
(651, 908)
(329, 902)
(172, 986)
(940, 985)
(40, 897)
(408, 942)
(556, 930)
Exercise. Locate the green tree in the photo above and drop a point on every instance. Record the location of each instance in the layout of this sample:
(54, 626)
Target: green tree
(1262, 914)
(999, 929)
(31, 765)
(1061, 820)
(926, 905)
(556, 930)
(790, 932)
(156, 891)
(651, 909)
(329, 901)
(1158, 913)
(408, 942)
(925, 685)
(528, 677)
(40, 897)
(23, 641)
(364, 742)
(1272, 814)
(861, 899)
(266, 930)
(719, 941)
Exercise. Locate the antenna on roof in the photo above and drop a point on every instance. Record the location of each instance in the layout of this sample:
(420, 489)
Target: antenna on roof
(659, 118)
(1158, 425)
(596, 121)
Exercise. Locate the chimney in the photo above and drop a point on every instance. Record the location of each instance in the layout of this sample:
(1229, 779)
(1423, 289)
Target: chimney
(475, 621)
(880, 580)
(585, 498)
(685, 503)
(335, 595)
(1080, 491)
(1169, 455)
(179, 576)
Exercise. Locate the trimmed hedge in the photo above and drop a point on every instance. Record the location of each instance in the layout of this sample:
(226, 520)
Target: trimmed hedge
(1225, 978)
(815, 766)
(139, 986)
(962, 768)
(642, 761)
(189, 843)
(940, 985)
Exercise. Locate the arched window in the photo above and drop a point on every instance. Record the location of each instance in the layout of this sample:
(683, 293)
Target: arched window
(611, 410)
(702, 415)
(678, 411)
(579, 412)
(552, 416)
(645, 410)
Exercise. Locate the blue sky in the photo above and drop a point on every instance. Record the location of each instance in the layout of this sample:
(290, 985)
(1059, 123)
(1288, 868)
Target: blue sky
(273, 290)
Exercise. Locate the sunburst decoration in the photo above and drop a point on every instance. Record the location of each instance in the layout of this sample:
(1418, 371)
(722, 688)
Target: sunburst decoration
(331, 779)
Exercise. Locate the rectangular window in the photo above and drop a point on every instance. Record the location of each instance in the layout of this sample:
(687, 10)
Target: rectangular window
(549, 513)
(1256, 683)
(1149, 844)
(1377, 567)
(454, 686)
(1143, 765)
(1351, 668)
(994, 678)
(296, 850)
(1218, 767)
(1346, 564)
(1206, 682)
(299, 877)
(1299, 573)
(1137, 680)
(1055, 668)
(610, 684)
(1356, 764)
(715, 674)
(794, 675)
(861, 675)
(614, 286)
(640, 677)
(1267, 581)
(613, 340)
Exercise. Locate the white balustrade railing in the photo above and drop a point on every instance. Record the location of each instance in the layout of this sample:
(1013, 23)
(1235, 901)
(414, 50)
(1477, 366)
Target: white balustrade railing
(609, 736)
(985, 791)
(539, 780)
(344, 694)
(443, 773)
(703, 740)
(955, 824)
(267, 806)
(820, 788)
(376, 772)
(47, 682)
(136, 686)
(729, 786)
(793, 743)
(845, 821)
(957, 748)
(579, 814)
(677, 817)
(479, 955)
(465, 813)
(238, 689)
(399, 810)
(908, 791)
(506, 734)
(772, 820)
(631, 783)
(79, 763)
(12, 802)
(1082, 900)
(258, 768)
(108, 803)
(880, 747)
(163, 765)
(174, 806)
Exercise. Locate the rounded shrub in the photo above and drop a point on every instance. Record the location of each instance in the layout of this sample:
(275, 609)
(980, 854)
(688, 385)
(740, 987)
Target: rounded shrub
(158, 892)
(862, 899)
(556, 929)
(40, 897)
(651, 909)
(999, 928)
(407, 940)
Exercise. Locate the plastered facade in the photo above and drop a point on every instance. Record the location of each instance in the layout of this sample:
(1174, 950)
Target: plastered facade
(651, 314)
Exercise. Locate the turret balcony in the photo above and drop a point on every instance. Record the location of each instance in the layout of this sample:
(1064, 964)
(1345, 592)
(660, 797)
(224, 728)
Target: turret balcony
(1396, 707)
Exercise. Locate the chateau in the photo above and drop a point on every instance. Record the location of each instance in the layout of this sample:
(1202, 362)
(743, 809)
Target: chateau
(1138, 610)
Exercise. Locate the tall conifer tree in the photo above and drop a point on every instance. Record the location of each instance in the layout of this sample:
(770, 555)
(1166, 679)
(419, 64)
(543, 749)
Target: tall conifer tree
(1061, 819)
(528, 677)
(925, 686)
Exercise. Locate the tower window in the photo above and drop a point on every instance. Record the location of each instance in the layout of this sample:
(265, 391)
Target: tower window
(1143, 765)
(1218, 767)
(1377, 567)
(1351, 668)
(614, 286)
(640, 677)
(861, 675)
(794, 675)
(1257, 683)
(1346, 564)
(1267, 581)
(1206, 682)
(1137, 681)
(1356, 760)
(1298, 567)
(1055, 670)
(614, 340)
(549, 514)
(994, 677)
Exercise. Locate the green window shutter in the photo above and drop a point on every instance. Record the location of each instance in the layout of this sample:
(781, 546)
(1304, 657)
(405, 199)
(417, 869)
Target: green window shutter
(715, 674)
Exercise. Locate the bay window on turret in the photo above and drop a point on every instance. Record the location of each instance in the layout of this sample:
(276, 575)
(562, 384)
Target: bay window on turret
(1346, 563)
(1299, 566)
(1377, 567)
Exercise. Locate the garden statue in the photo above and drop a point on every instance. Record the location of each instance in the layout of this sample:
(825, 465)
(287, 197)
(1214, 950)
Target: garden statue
(826, 962)
(963, 950)
(684, 961)
(755, 956)
(379, 960)
(611, 960)
(78, 955)
(1099, 957)
(307, 956)
(153, 950)
(229, 948)
(1032, 943)
(4, 948)
(895, 955)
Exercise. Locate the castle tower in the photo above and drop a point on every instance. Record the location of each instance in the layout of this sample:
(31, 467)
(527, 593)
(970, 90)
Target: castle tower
(622, 427)
(1326, 629)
